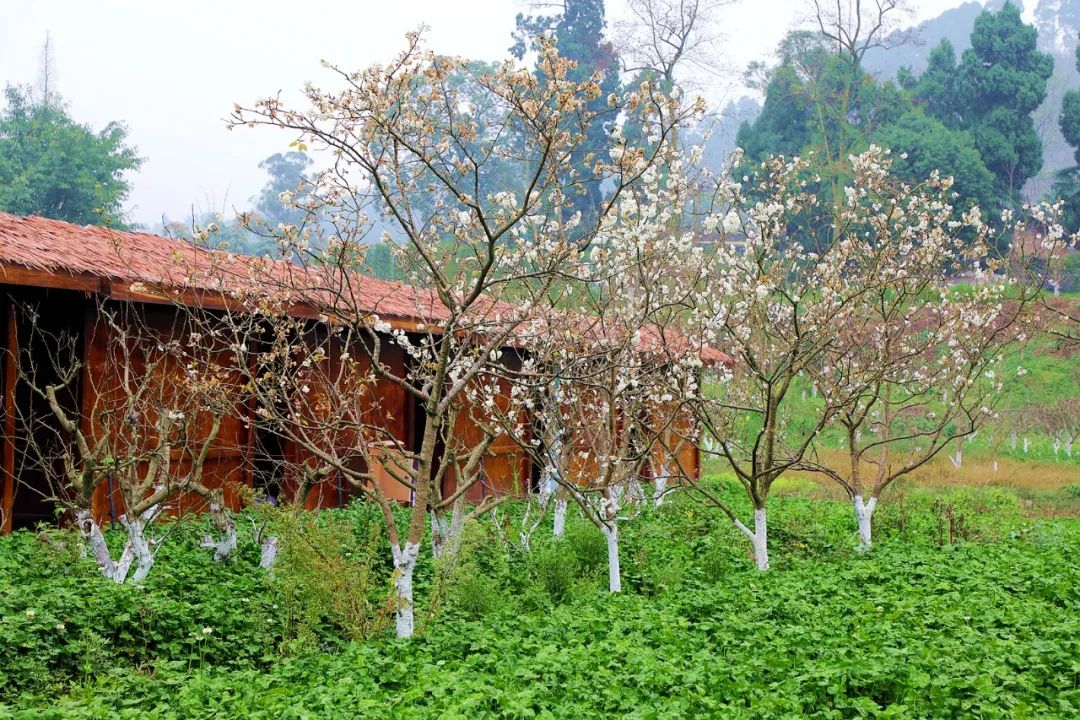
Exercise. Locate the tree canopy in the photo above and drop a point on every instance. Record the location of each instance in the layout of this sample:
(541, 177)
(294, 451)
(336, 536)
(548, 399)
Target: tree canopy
(53, 166)
(921, 144)
(969, 118)
(287, 175)
(1067, 183)
(579, 35)
(991, 93)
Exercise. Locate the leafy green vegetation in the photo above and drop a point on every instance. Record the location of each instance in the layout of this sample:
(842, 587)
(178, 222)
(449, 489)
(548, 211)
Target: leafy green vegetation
(53, 166)
(966, 607)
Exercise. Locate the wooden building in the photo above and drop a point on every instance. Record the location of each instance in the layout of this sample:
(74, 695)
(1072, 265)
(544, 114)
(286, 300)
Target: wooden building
(65, 274)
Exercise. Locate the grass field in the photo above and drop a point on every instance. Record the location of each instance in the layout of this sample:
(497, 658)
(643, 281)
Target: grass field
(978, 619)
(1051, 372)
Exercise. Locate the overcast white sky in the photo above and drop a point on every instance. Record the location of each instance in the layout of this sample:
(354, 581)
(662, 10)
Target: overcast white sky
(171, 71)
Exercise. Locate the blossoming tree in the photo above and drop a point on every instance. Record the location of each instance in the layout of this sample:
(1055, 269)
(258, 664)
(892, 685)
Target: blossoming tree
(917, 367)
(611, 377)
(779, 308)
(416, 142)
(152, 411)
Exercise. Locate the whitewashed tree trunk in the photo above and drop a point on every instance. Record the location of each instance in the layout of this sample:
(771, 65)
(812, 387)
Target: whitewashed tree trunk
(144, 559)
(457, 527)
(758, 537)
(549, 487)
(225, 545)
(268, 554)
(611, 534)
(1025, 445)
(1068, 448)
(613, 504)
(542, 501)
(404, 566)
(1012, 440)
(635, 494)
(995, 465)
(95, 540)
(958, 459)
(136, 548)
(660, 486)
(864, 513)
(1056, 444)
(559, 522)
(440, 531)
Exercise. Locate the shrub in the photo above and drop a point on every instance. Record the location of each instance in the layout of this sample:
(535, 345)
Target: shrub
(61, 621)
(588, 548)
(474, 581)
(330, 572)
(553, 568)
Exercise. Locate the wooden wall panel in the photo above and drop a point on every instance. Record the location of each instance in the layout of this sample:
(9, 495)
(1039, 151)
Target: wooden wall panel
(104, 392)
(506, 468)
(384, 406)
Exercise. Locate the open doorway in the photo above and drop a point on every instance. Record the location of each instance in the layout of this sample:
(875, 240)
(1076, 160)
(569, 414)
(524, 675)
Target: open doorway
(35, 321)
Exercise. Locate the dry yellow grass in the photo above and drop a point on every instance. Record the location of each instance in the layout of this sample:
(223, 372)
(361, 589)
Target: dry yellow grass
(977, 471)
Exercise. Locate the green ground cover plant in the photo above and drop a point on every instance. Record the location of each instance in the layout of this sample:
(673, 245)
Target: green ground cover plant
(966, 607)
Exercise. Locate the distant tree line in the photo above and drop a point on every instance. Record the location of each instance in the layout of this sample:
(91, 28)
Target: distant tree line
(968, 117)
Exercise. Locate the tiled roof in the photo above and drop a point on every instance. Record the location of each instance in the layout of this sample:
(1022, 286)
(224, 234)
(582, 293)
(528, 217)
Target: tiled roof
(35, 250)
(40, 251)
(38, 243)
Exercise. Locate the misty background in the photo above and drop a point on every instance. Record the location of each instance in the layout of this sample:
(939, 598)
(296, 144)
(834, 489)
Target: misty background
(171, 73)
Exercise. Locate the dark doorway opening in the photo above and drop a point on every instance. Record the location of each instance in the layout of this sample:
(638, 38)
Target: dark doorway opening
(45, 327)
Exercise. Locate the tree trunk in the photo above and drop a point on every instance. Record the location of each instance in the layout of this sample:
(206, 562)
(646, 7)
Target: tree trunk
(634, 495)
(225, 545)
(446, 529)
(440, 529)
(136, 548)
(758, 537)
(761, 546)
(404, 565)
(95, 539)
(958, 459)
(611, 534)
(559, 524)
(548, 488)
(457, 528)
(660, 486)
(144, 559)
(864, 513)
(268, 554)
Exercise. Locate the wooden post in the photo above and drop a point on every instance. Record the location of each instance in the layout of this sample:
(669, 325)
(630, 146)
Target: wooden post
(7, 456)
(92, 381)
